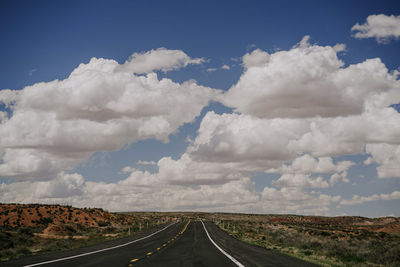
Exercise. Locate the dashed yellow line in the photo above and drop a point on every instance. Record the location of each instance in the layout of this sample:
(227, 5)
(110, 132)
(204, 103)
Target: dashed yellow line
(164, 245)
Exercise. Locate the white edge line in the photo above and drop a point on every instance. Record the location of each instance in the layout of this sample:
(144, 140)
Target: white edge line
(100, 250)
(220, 249)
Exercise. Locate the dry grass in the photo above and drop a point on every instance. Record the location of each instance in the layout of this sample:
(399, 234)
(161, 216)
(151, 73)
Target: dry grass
(338, 241)
(328, 241)
(27, 229)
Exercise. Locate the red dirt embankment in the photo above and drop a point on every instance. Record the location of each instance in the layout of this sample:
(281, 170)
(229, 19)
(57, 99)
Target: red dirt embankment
(55, 216)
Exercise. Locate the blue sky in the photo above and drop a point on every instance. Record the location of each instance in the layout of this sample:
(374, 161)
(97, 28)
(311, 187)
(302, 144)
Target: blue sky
(44, 41)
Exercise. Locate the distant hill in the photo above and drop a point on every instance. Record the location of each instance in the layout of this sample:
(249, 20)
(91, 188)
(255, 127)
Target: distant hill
(36, 215)
(27, 229)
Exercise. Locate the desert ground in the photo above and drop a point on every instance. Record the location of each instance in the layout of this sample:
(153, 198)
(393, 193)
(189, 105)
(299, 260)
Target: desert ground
(28, 229)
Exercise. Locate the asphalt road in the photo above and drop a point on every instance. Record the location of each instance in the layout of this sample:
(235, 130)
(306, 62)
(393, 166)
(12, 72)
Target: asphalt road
(180, 244)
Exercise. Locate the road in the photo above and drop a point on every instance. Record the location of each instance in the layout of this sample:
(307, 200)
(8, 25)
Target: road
(191, 243)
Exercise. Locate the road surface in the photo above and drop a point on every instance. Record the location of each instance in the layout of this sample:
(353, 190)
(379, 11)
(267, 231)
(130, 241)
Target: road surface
(191, 243)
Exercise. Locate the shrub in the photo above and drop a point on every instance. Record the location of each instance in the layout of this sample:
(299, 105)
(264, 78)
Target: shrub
(25, 231)
(5, 241)
(103, 223)
(23, 251)
(45, 220)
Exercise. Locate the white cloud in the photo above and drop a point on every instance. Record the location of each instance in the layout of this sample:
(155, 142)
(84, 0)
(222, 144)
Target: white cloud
(356, 199)
(307, 164)
(310, 81)
(184, 171)
(255, 58)
(300, 181)
(336, 177)
(127, 169)
(211, 69)
(268, 143)
(225, 67)
(349, 135)
(388, 158)
(160, 59)
(244, 139)
(368, 161)
(143, 162)
(233, 196)
(55, 125)
(3, 116)
(297, 146)
(8, 97)
(126, 196)
(381, 27)
(289, 200)
(65, 185)
(297, 111)
(330, 111)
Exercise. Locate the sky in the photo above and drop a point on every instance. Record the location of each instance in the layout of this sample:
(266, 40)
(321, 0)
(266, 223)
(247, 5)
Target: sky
(232, 106)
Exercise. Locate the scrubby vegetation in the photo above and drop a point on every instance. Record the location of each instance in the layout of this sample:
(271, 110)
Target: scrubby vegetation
(330, 241)
(340, 241)
(36, 228)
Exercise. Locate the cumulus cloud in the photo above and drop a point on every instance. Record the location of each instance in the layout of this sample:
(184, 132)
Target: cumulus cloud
(3, 116)
(233, 196)
(298, 172)
(309, 81)
(239, 137)
(225, 67)
(300, 181)
(336, 177)
(242, 138)
(99, 107)
(127, 169)
(144, 162)
(356, 199)
(65, 185)
(307, 164)
(20, 163)
(299, 147)
(160, 59)
(297, 111)
(124, 195)
(388, 158)
(381, 27)
(349, 135)
(255, 58)
(8, 97)
(292, 200)
(185, 172)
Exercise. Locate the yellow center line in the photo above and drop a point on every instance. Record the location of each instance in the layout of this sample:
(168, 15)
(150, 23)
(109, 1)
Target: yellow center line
(165, 244)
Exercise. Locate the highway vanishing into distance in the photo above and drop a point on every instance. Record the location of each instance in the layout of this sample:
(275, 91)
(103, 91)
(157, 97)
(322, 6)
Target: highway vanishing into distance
(189, 243)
